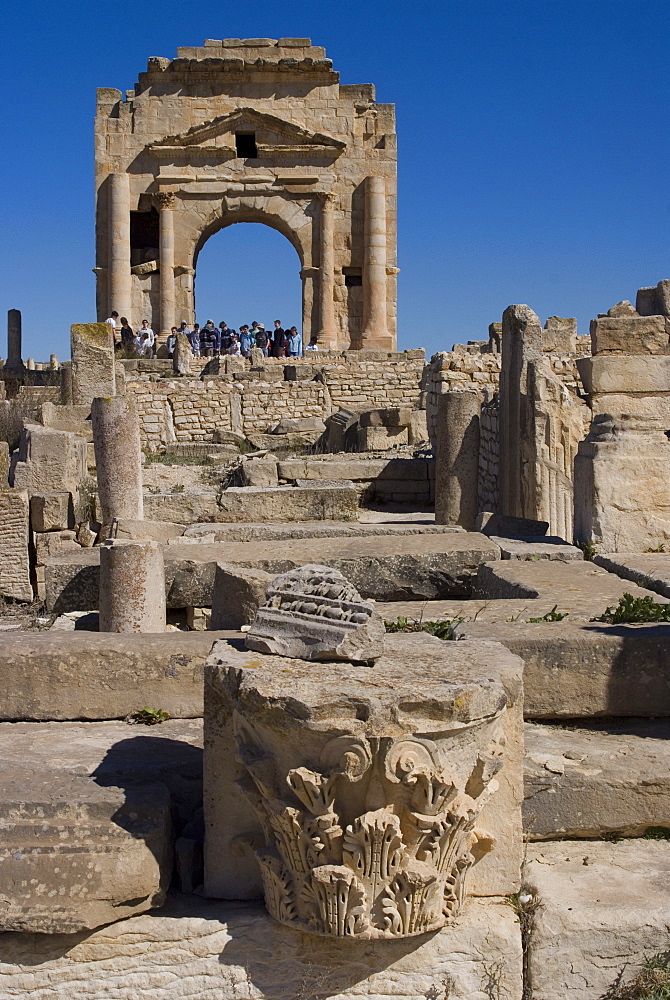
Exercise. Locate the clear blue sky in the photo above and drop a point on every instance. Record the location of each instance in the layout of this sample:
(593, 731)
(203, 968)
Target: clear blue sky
(533, 153)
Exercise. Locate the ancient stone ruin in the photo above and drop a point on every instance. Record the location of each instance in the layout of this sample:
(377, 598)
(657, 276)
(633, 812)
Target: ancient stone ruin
(337, 676)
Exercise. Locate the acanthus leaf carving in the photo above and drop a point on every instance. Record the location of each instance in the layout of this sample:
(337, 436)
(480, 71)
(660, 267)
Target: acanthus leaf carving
(338, 863)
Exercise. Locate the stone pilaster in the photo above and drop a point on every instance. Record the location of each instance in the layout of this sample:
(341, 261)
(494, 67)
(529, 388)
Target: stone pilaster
(166, 202)
(120, 278)
(375, 330)
(327, 331)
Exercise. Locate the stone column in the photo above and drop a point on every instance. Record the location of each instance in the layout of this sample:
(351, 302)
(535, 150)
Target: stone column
(132, 587)
(13, 340)
(457, 458)
(375, 331)
(166, 202)
(93, 365)
(118, 458)
(120, 279)
(327, 331)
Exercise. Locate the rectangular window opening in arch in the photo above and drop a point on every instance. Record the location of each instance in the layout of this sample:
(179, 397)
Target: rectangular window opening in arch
(245, 144)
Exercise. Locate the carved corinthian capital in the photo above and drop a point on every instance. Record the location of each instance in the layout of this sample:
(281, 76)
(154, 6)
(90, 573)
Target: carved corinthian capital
(165, 199)
(368, 783)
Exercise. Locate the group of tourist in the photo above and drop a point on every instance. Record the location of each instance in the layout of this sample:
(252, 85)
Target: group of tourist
(211, 341)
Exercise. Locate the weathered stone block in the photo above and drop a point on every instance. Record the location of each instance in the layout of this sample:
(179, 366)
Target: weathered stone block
(642, 373)
(14, 557)
(101, 675)
(190, 935)
(602, 909)
(630, 335)
(51, 511)
(582, 670)
(381, 438)
(50, 461)
(260, 472)
(288, 503)
(93, 368)
(238, 593)
(608, 777)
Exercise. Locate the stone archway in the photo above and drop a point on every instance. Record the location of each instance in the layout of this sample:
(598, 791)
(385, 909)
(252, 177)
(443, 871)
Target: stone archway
(249, 130)
(266, 211)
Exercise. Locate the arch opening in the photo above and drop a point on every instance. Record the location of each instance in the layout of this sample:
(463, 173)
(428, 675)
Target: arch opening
(247, 271)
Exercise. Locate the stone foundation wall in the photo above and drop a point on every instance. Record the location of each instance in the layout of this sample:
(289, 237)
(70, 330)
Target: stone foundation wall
(189, 410)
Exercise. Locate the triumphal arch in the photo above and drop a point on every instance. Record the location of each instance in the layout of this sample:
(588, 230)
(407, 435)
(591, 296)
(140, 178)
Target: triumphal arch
(248, 130)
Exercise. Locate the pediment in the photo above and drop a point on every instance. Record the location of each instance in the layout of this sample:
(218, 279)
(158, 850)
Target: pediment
(276, 135)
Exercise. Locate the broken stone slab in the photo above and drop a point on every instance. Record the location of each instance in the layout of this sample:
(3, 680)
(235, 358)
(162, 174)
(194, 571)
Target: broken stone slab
(314, 613)
(51, 511)
(542, 547)
(650, 570)
(585, 670)
(602, 909)
(297, 425)
(582, 589)
(338, 502)
(630, 375)
(145, 530)
(238, 593)
(183, 355)
(382, 567)
(419, 684)
(596, 779)
(74, 856)
(278, 531)
(506, 526)
(190, 935)
(96, 676)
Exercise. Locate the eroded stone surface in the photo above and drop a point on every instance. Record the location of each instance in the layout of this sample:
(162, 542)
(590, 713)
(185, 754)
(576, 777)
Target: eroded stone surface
(88, 813)
(314, 613)
(602, 908)
(595, 779)
(238, 593)
(204, 950)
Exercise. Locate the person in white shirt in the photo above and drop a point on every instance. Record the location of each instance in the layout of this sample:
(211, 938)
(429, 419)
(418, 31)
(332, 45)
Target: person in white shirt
(113, 322)
(313, 345)
(150, 338)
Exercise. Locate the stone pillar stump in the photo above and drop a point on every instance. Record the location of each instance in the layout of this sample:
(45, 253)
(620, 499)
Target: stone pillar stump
(132, 587)
(118, 458)
(457, 459)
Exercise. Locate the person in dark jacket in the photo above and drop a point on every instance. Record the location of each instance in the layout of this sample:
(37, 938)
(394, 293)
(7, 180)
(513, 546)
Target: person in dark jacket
(278, 346)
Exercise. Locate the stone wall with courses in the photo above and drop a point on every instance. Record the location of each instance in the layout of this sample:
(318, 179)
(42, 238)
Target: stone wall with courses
(449, 370)
(186, 410)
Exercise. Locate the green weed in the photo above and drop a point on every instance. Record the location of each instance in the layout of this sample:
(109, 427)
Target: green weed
(148, 716)
(636, 611)
(443, 629)
(551, 616)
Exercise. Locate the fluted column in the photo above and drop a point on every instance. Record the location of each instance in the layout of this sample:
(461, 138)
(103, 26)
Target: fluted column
(327, 331)
(166, 202)
(375, 330)
(120, 278)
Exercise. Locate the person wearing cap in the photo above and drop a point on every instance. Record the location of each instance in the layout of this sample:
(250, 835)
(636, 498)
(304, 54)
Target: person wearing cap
(209, 338)
(262, 339)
